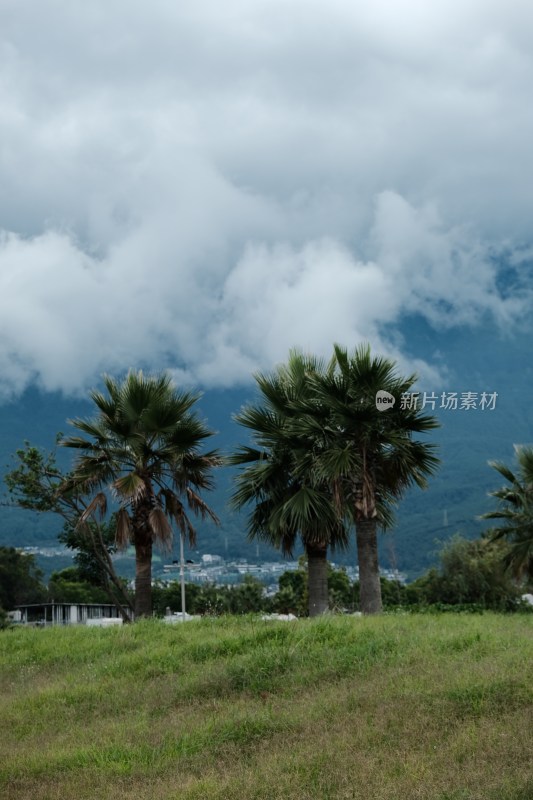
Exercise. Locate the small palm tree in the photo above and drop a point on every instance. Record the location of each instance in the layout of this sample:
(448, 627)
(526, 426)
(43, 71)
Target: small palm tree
(367, 456)
(143, 446)
(278, 481)
(516, 512)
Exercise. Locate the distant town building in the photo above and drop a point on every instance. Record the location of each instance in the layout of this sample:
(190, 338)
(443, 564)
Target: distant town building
(211, 560)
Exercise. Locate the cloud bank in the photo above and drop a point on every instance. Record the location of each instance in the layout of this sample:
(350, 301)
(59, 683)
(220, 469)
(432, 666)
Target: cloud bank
(201, 187)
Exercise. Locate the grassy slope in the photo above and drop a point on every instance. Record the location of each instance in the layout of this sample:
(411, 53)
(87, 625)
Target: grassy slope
(382, 709)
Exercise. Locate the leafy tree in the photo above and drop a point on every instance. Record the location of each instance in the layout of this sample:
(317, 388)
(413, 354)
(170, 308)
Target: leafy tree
(343, 594)
(211, 600)
(288, 499)
(168, 596)
(248, 597)
(244, 598)
(368, 457)
(516, 512)
(292, 596)
(94, 544)
(471, 572)
(143, 446)
(392, 593)
(20, 579)
(69, 586)
(34, 484)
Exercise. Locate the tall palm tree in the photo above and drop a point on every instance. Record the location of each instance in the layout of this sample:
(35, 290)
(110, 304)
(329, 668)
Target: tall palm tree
(516, 512)
(367, 456)
(144, 447)
(288, 501)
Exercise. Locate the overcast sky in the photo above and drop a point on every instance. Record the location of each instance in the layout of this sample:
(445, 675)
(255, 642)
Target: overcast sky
(203, 185)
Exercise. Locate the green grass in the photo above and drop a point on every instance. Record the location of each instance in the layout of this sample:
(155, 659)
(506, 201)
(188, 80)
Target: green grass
(437, 707)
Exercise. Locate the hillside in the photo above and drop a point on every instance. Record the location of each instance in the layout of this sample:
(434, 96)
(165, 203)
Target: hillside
(429, 707)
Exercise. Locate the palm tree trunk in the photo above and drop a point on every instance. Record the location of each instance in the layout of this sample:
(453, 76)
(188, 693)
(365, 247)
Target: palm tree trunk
(367, 555)
(317, 566)
(143, 576)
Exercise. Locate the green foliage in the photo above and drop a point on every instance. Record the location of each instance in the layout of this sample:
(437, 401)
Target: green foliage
(392, 593)
(20, 579)
(145, 445)
(289, 500)
(36, 483)
(248, 597)
(245, 598)
(326, 458)
(92, 544)
(344, 594)
(471, 572)
(370, 454)
(292, 595)
(369, 457)
(69, 586)
(471, 578)
(516, 512)
(35, 479)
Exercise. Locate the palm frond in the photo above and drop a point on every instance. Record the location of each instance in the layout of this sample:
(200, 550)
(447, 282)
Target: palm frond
(77, 442)
(199, 507)
(504, 470)
(130, 487)
(161, 528)
(175, 509)
(515, 511)
(98, 505)
(124, 532)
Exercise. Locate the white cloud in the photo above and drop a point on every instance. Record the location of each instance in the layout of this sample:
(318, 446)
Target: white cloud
(203, 186)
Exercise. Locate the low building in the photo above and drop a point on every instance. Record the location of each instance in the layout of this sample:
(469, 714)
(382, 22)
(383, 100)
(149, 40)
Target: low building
(63, 613)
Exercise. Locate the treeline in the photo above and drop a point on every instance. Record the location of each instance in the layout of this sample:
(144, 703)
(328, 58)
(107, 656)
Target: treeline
(331, 449)
(21, 583)
(471, 577)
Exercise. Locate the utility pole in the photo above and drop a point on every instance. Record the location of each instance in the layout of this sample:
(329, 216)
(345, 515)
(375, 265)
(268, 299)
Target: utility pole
(182, 577)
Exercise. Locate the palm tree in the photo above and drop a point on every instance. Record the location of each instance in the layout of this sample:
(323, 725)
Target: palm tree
(367, 456)
(288, 501)
(143, 446)
(516, 512)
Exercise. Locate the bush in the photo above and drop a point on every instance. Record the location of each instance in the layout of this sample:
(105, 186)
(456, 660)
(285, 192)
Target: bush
(244, 598)
(69, 586)
(471, 574)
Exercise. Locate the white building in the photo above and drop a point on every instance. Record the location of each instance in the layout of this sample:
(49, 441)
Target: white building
(63, 613)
